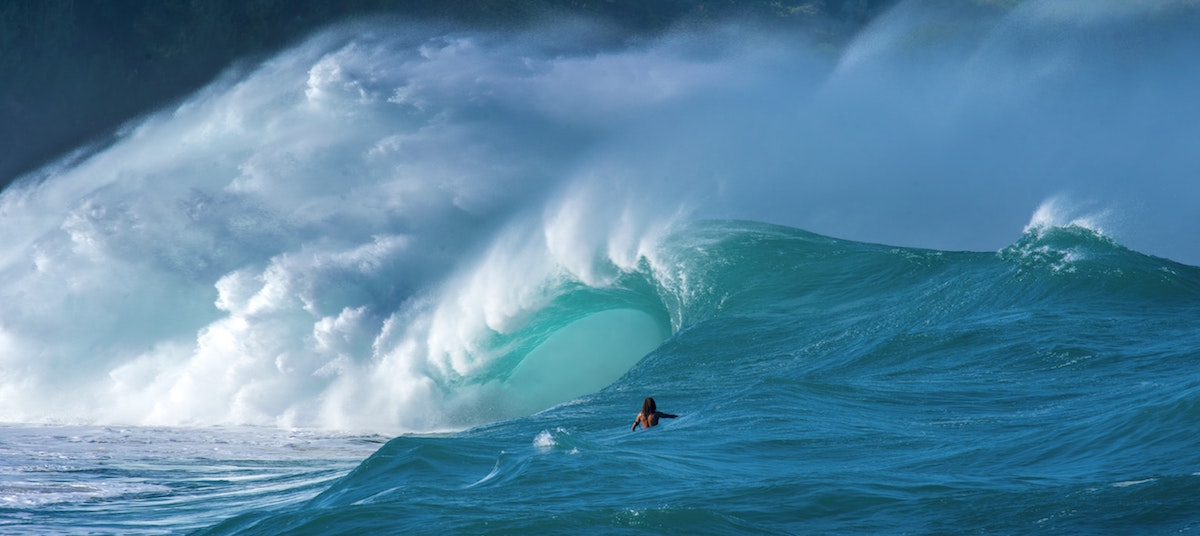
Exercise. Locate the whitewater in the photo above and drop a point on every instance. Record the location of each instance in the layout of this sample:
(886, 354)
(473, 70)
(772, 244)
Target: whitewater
(415, 277)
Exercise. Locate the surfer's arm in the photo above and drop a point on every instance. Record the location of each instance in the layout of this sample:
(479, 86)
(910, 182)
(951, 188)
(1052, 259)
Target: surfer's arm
(667, 415)
(636, 422)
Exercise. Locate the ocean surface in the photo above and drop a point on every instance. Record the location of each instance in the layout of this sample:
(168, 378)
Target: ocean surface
(411, 278)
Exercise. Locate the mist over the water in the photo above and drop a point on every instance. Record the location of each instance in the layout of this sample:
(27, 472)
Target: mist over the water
(337, 238)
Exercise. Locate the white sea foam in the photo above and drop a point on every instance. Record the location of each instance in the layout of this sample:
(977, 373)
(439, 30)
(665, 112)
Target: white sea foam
(544, 441)
(329, 241)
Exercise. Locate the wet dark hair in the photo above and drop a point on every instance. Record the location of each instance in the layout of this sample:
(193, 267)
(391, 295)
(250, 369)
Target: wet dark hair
(648, 406)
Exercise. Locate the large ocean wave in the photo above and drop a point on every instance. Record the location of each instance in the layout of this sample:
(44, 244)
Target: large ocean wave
(404, 227)
(834, 386)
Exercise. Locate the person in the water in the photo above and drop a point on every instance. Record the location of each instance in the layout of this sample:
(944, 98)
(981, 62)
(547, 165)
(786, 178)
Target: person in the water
(649, 415)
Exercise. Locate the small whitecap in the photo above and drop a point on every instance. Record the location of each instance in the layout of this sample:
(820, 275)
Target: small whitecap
(544, 441)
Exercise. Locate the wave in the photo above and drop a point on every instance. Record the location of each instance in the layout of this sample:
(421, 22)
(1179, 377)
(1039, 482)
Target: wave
(834, 376)
(402, 227)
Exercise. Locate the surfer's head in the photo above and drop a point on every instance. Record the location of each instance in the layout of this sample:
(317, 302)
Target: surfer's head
(648, 406)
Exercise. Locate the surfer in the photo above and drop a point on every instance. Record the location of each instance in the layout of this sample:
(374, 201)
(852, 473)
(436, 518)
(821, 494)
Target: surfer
(649, 415)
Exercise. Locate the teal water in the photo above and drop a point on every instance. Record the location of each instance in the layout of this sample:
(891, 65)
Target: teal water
(826, 386)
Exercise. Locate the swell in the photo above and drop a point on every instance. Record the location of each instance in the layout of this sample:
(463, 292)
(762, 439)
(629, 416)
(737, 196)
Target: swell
(1008, 390)
(1074, 366)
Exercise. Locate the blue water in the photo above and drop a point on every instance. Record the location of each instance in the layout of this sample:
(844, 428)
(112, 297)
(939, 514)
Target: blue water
(404, 277)
(832, 386)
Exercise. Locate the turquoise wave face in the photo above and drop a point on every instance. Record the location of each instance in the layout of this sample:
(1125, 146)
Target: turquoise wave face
(581, 357)
(833, 386)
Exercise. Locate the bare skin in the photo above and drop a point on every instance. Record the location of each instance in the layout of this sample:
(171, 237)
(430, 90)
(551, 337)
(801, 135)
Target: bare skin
(648, 421)
(649, 415)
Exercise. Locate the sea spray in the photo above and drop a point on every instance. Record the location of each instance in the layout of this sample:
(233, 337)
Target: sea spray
(284, 237)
